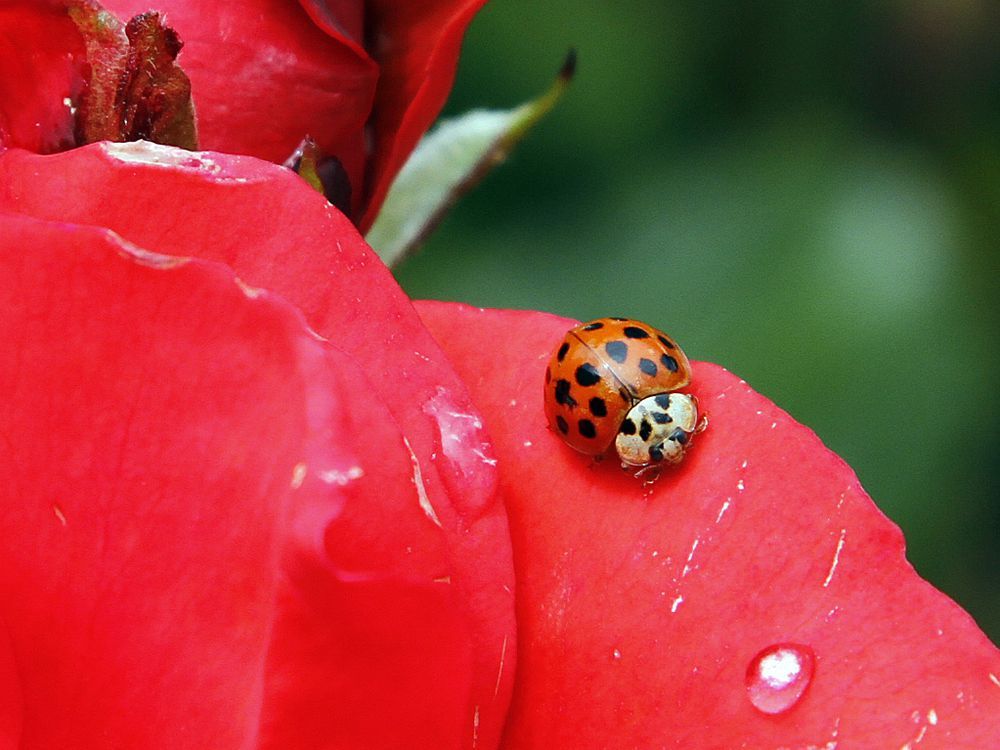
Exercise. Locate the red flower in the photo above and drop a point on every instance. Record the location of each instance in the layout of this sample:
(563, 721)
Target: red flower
(363, 78)
(220, 531)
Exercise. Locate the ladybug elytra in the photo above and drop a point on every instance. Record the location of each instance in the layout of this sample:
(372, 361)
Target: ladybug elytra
(614, 381)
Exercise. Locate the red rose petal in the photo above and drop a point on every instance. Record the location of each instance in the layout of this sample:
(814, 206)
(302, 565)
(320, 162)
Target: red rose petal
(343, 19)
(263, 76)
(280, 235)
(41, 75)
(640, 610)
(185, 484)
(11, 707)
(141, 519)
(416, 46)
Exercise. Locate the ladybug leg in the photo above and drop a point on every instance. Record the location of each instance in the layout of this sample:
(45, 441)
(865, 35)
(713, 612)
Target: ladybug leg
(648, 474)
(702, 425)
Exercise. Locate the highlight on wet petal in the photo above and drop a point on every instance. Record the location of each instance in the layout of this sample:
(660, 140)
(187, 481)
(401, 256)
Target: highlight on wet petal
(778, 676)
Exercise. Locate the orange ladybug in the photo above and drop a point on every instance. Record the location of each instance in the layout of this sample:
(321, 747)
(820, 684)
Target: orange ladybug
(613, 380)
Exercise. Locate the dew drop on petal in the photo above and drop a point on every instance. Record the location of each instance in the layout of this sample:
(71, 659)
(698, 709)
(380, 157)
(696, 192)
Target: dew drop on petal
(778, 676)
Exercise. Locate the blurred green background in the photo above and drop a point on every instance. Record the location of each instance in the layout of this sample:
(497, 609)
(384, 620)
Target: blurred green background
(805, 193)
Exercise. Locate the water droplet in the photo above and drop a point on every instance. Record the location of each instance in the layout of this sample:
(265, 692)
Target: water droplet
(469, 469)
(778, 676)
(616, 655)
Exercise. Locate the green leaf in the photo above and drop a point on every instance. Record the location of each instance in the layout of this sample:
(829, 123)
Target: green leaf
(448, 162)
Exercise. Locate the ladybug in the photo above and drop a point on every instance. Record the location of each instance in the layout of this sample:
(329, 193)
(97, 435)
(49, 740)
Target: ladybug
(614, 381)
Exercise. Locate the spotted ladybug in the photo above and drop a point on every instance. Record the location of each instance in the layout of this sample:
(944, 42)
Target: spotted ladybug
(614, 381)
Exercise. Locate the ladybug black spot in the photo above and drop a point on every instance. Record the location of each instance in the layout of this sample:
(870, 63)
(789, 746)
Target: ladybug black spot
(561, 354)
(598, 408)
(647, 366)
(617, 350)
(661, 417)
(666, 342)
(634, 332)
(669, 362)
(656, 452)
(561, 424)
(663, 400)
(627, 428)
(587, 375)
(593, 326)
(645, 430)
(679, 436)
(587, 428)
(563, 395)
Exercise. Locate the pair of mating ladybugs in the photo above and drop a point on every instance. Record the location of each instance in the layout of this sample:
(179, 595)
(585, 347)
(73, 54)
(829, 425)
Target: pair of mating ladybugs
(615, 380)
